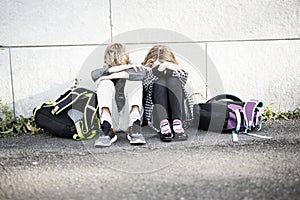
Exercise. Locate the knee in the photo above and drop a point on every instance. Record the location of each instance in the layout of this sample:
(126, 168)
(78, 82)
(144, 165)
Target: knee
(105, 84)
(133, 86)
(173, 80)
(159, 88)
(162, 81)
(106, 88)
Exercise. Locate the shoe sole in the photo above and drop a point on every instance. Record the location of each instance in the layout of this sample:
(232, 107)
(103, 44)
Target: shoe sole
(136, 142)
(180, 137)
(168, 139)
(114, 139)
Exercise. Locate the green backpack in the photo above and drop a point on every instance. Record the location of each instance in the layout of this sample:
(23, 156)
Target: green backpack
(73, 115)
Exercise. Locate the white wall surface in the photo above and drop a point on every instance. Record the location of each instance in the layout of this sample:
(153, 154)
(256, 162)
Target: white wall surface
(5, 78)
(41, 74)
(208, 20)
(45, 22)
(267, 70)
(248, 48)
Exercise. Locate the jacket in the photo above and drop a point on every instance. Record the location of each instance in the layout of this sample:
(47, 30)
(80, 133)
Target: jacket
(152, 76)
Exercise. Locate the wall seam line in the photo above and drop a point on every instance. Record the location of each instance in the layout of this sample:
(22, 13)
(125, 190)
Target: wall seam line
(110, 22)
(12, 83)
(162, 42)
(206, 72)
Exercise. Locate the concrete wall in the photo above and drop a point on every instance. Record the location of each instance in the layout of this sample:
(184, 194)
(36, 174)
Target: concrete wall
(247, 48)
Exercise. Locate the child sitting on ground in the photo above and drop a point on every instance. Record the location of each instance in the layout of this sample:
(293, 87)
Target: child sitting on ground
(119, 92)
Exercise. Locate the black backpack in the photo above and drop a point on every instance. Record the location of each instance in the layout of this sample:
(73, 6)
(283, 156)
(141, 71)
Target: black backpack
(229, 114)
(73, 115)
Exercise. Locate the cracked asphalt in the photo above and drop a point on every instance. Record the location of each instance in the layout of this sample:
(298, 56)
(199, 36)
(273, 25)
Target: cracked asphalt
(206, 166)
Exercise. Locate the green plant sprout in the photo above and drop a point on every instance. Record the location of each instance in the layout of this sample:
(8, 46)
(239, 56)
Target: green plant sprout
(13, 126)
(269, 114)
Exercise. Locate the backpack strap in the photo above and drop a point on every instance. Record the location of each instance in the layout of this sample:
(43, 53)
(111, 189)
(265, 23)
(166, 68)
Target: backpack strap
(235, 137)
(238, 120)
(49, 103)
(86, 122)
(224, 97)
(253, 111)
(68, 100)
(258, 117)
(259, 136)
(249, 110)
(235, 132)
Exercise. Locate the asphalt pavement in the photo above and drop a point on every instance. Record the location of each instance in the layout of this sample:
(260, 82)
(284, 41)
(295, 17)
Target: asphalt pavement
(206, 166)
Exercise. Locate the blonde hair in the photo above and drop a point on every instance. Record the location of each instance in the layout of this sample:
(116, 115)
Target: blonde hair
(115, 54)
(161, 53)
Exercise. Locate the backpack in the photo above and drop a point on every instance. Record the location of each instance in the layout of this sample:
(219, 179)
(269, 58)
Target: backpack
(73, 115)
(229, 114)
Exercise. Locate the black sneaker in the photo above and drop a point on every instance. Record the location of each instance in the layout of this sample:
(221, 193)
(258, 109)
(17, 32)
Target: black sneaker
(134, 134)
(108, 138)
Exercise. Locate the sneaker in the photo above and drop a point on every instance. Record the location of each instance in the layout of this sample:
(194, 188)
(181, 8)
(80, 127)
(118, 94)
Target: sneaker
(105, 141)
(108, 138)
(179, 133)
(134, 134)
(165, 131)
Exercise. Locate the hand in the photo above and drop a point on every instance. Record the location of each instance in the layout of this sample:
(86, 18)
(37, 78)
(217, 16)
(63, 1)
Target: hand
(173, 67)
(138, 67)
(161, 67)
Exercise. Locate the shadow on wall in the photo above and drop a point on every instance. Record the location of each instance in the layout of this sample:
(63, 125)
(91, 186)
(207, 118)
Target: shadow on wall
(191, 56)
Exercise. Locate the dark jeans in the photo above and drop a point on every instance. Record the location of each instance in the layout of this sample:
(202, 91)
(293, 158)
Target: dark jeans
(167, 98)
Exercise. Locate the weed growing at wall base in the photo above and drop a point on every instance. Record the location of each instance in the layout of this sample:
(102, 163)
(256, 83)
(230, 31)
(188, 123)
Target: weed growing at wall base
(13, 126)
(271, 115)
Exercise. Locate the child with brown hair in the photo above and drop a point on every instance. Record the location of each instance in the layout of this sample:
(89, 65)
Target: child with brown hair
(168, 106)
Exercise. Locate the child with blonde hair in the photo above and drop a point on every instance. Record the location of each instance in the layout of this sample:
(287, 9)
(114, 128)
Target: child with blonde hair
(119, 93)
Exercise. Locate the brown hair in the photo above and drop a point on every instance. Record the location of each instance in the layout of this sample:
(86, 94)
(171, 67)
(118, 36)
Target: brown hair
(161, 53)
(115, 54)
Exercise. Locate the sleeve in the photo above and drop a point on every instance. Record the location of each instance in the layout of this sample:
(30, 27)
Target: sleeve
(149, 80)
(156, 72)
(136, 75)
(97, 73)
(181, 76)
